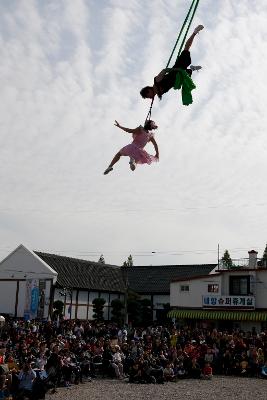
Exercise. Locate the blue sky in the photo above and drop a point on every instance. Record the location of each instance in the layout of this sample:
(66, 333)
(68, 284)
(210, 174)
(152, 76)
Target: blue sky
(69, 69)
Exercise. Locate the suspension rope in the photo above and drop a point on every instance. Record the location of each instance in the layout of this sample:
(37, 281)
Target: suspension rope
(191, 12)
(193, 4)
(190, 22)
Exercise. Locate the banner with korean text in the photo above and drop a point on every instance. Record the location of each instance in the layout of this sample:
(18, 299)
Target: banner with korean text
(237, 302)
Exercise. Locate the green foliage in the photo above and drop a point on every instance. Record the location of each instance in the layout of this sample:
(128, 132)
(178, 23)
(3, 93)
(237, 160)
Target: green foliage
(146, 312)
(226, 260)
(58, 307)
(264, 257)
(128, 262)
(166, 309)
(117, 311)
(134, 308)
(139, 310)
(101, 259)
(98, 305)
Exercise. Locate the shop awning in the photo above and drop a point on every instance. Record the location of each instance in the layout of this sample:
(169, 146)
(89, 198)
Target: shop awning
(219, 315)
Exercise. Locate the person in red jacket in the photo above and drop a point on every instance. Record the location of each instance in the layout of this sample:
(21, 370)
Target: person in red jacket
(207, 371)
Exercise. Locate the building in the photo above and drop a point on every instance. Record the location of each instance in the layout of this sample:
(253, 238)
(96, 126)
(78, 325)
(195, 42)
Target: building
(79, 282)
(231, 296)
(31, 281)
(26, 285)
(153, 281)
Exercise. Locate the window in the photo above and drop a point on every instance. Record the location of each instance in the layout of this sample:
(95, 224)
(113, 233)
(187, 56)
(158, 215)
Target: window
(239, 285)
(213, 288)
(184, 288)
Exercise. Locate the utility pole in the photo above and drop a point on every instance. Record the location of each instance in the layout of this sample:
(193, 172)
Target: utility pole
(218, 256)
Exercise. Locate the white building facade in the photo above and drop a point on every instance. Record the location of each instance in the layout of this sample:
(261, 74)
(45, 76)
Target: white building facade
(26, 285)
(30, 283)
(235, 296)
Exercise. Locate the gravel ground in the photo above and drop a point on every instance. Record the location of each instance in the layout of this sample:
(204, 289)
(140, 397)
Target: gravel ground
(219, 388)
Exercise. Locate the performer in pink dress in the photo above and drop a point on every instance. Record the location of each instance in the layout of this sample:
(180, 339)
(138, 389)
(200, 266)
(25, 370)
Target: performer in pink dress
(135, 150)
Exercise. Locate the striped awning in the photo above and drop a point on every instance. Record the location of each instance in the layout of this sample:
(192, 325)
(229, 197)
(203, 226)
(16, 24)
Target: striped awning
(219, 315)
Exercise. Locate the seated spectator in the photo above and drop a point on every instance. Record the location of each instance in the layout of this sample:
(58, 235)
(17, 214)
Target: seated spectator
(117, 362)
(263, 372)
(195, 370)
(12, 365)
(180, 370)
(135, 373)
(157, 370)
(244, 366)
(4, 392)
(207, 371)
(146, 373)
(235, 368)
(168, 373)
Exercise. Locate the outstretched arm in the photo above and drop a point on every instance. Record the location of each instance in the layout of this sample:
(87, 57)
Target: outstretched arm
(134, 131)
(153, 141)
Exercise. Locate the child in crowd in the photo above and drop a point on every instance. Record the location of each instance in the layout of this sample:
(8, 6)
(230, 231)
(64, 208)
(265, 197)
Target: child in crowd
(207, 371)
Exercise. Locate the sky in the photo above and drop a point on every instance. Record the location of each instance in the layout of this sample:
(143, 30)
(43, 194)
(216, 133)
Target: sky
(69, 68)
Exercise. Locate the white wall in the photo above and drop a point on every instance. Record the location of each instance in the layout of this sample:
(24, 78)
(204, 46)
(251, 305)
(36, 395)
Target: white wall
(24, 264)
(197, 288)
(261, 289)
(159, 300)
(8, 291)
(82, 312)
(21, 298)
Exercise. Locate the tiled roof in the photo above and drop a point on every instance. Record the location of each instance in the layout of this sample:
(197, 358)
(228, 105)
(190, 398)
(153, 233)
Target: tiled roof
(157, 278)
(83, 274)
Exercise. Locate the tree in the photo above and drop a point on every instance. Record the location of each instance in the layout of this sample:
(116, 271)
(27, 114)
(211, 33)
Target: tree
(134, 308)
(226, 260)
(264, 257)
(58, 307)
(116, 311)
(164, 314)
(128, 262)
(101, 259)
(146, 312)
(98, 305)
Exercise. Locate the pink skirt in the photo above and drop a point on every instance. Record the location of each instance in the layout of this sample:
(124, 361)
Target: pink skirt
(138, 154)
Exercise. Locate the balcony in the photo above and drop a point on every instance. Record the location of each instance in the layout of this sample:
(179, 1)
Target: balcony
(243, 263)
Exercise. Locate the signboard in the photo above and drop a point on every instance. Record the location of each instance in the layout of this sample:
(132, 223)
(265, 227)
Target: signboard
(240, 302)
(31, 299)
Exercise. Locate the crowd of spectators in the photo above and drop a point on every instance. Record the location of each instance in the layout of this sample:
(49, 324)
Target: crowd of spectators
(35, 356)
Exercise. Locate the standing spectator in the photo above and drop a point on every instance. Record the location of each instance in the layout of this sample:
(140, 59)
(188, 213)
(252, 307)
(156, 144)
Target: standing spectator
(26, 378)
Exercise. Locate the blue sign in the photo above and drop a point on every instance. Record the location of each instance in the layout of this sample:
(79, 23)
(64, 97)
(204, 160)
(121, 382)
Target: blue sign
(27, 316)
(34, 300)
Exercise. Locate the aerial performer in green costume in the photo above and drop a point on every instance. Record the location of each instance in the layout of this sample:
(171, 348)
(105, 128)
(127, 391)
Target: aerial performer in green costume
(177, 77)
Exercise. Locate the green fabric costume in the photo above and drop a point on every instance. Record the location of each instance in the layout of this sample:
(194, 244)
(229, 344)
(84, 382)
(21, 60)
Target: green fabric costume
(184, 81)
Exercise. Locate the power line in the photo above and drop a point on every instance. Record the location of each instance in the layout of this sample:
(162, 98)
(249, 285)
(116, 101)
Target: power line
(128, 210)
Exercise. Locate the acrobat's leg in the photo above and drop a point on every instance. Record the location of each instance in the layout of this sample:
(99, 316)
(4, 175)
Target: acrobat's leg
(190, 40)
(114, 161)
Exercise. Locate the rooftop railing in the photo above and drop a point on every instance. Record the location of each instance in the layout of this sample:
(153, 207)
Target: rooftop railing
(242, 263)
